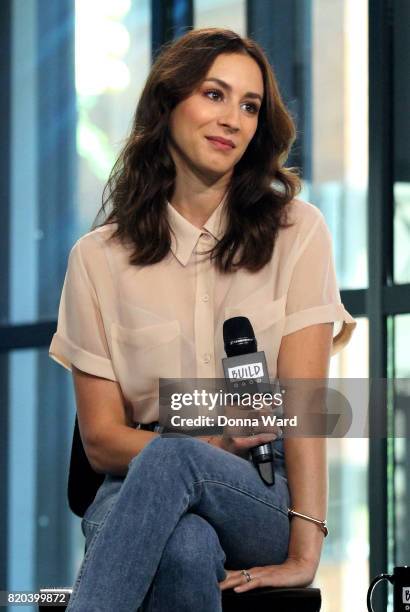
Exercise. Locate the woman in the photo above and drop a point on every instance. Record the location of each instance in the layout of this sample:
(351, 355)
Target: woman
(204, 226)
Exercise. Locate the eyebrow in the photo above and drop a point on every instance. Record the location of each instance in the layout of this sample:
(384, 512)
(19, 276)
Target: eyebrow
(224, 85)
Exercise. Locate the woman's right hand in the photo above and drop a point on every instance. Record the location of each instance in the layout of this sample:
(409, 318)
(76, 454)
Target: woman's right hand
(241, 445)
(250, 436)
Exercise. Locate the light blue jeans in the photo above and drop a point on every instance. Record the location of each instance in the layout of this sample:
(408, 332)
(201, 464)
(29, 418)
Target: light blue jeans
(160, 538)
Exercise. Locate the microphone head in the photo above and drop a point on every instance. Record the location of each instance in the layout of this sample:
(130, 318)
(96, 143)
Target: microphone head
(239, 337)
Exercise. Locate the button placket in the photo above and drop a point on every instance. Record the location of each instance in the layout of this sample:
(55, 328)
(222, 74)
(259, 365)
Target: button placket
(204, 311)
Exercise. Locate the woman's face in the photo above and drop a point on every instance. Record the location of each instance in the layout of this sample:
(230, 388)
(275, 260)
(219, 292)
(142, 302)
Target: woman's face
(211, 129)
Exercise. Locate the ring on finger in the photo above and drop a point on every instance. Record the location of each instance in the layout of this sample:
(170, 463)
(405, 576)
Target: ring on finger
(247, 575)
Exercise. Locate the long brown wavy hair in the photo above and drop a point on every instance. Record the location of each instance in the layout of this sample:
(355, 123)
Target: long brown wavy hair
(143, 177)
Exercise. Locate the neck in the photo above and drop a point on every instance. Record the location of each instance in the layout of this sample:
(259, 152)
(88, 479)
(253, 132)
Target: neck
(195, 198)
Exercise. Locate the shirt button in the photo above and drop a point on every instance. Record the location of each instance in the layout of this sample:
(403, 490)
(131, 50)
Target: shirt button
(206, 358)
(205, 298)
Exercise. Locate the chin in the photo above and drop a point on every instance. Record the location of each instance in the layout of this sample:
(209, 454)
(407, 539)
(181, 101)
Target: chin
(217, 172)
(219, 166)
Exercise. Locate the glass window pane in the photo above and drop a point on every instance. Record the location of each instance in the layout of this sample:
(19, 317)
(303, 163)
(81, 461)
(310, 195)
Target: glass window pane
(402, 437)
(229, 14)
(338, 184)
(45, 542)
(402, 232)
(401, 105)
(113, 58)
(343, 570)
(25, 234)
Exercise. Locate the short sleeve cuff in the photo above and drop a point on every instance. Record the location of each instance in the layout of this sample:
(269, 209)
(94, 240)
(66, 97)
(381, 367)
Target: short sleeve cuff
(323, 314)
(66, 354)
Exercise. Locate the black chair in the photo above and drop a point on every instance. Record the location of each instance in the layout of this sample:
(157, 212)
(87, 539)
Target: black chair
(258, 600)
(83, 483)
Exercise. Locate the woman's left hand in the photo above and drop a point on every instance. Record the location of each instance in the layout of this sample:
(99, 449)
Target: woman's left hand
(291, 573)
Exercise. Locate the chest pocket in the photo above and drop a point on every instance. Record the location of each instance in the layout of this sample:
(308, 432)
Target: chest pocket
(142, 356)
(268, 320)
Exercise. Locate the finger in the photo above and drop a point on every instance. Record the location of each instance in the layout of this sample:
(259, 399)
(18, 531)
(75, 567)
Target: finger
(255, 583)
(259, 578)
(237, 578)
(251, 441)
(255, 437)
(275, 576)
(267, 430)
(231, 580)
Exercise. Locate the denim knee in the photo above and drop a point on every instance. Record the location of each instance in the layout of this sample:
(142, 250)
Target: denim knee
(172, 442)
(194, 549)
(168, 445)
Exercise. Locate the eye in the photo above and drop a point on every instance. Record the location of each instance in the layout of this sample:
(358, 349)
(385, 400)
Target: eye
(217, 95)
(213, 94)
(251, 108)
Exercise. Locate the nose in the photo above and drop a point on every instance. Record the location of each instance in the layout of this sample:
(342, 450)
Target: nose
(230, 117)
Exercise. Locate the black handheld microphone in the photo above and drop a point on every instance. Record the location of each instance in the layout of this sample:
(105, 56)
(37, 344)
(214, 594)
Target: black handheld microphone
(245, 367)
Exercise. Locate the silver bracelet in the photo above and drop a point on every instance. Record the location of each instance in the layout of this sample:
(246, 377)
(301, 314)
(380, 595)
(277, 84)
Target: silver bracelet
(318, 522)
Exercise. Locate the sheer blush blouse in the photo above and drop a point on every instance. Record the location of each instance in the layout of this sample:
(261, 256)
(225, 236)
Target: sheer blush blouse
(136, 324)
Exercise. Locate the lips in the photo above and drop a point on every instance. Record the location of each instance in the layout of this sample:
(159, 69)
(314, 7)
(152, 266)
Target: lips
(222, 141)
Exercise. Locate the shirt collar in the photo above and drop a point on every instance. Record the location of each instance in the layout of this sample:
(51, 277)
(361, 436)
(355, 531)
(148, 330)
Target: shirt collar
(184, 235)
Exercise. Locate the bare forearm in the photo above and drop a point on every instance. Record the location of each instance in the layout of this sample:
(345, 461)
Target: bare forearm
(306, 466)
(112, 453)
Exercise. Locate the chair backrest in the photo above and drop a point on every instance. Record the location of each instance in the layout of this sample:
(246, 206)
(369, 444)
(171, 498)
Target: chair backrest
(83, 481)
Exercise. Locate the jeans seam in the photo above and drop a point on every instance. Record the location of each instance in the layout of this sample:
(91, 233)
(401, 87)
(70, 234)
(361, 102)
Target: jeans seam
(243, 491)
(88, 553)
(93, 523)
(154, 597)
(153, 602)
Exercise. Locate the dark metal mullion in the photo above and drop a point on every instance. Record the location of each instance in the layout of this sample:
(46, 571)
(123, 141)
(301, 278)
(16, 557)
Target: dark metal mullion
(160, 24)
(380, 268)
(354, 301)
(283, 29)
(26, 336)
(396, 299)
(169, 19)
